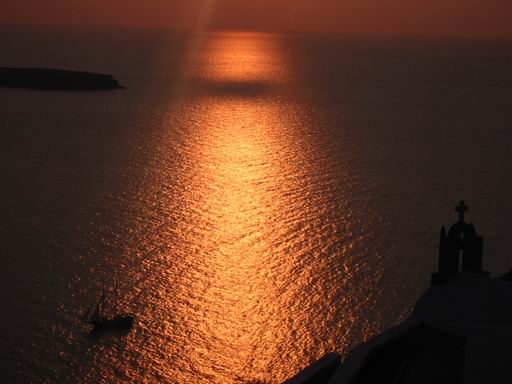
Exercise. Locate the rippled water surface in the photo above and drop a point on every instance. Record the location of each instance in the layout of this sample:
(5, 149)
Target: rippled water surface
(259, 199)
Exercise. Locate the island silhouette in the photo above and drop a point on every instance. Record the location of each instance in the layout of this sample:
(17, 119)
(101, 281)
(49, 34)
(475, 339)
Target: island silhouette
(55, 79)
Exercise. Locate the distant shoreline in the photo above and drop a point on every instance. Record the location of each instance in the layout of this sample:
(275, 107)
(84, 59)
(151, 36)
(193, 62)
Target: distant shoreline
(56, 79)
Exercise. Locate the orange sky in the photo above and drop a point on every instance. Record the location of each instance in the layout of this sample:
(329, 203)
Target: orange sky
(479, 18)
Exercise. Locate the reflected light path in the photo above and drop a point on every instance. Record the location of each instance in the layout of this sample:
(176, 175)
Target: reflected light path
(248, 272)
(238, 193)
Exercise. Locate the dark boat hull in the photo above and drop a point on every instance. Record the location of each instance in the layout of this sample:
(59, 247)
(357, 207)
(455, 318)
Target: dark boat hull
(114, 322)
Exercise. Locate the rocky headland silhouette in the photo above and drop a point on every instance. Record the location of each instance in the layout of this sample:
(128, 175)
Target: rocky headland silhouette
(55, 79)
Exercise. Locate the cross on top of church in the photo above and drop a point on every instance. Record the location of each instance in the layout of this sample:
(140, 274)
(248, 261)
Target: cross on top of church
(461, 208)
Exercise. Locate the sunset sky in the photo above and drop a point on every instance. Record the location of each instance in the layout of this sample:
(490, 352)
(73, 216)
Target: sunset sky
(478, 18)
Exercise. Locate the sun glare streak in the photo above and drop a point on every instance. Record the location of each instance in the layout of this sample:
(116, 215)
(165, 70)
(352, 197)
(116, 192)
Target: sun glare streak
(237, 180)
(201, 24)
(235, 263)
(243, 56)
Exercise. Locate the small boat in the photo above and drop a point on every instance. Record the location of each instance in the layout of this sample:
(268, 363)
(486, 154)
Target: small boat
(101, 321)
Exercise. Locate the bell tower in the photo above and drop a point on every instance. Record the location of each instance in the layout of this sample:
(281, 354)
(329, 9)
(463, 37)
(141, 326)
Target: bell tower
(463, 241)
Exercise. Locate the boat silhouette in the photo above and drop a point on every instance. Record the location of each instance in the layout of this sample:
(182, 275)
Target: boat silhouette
(100, 320)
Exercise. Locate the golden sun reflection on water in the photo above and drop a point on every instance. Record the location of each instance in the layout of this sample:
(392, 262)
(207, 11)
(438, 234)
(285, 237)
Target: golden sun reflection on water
(240, 56)
(244, 289)
(236, 152)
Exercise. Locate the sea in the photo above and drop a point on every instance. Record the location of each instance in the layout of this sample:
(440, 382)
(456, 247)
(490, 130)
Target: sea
(256, 200)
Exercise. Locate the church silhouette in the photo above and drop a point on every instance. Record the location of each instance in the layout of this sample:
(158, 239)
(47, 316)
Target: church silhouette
(460, 243)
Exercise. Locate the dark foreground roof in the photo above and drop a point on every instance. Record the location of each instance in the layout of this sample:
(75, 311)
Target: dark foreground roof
(423, 355)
